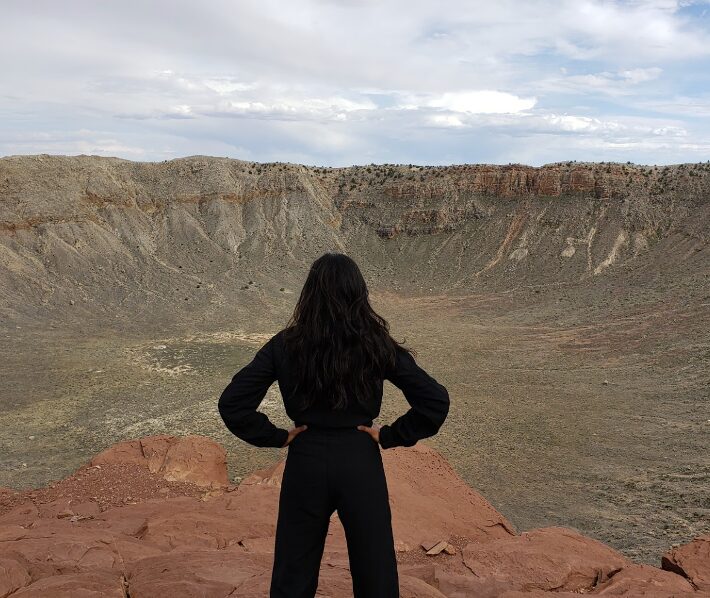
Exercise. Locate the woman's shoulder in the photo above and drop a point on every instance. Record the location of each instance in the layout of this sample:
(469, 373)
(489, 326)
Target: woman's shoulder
(277, 341)
(279, 336)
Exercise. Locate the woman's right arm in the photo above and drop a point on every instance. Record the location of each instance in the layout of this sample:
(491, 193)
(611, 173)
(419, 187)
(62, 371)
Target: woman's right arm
(428, 400)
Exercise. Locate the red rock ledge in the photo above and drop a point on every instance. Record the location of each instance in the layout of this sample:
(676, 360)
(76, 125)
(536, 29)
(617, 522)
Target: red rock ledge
(156, 517)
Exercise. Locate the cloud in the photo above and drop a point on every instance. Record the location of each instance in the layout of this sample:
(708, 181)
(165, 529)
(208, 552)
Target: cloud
(446, 120)
(82, 141)
(681, 106)
(620, 83)
(634, 76)
(472, 102)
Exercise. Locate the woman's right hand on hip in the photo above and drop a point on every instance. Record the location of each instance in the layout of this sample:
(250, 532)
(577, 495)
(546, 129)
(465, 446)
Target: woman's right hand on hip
(373, 431)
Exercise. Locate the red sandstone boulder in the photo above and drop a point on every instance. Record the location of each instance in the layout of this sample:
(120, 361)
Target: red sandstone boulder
(547, 558)
(195, 459)
(647, 581)
(691, 560)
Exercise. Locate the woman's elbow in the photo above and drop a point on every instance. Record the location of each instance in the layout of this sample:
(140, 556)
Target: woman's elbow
(444, 401)
(225, 407)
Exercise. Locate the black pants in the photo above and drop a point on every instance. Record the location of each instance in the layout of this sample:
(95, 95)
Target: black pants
(331, 469)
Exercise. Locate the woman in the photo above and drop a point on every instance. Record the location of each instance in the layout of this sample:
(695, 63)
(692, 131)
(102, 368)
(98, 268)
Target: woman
(330, 362)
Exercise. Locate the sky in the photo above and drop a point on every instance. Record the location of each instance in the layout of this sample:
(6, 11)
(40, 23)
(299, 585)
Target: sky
(337, 83)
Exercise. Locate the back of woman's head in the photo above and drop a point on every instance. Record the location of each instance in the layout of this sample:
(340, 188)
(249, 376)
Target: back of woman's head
(338, 345)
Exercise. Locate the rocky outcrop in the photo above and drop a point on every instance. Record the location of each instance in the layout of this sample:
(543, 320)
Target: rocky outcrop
(172, 532)
(692, 561)
(551, 559)
(190, 459)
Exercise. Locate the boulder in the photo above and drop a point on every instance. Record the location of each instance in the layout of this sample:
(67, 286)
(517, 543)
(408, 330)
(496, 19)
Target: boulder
(544, 559)
(195, 459)
(646, 581)
(692, 561)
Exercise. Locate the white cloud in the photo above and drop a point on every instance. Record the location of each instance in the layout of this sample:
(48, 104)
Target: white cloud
(82, 141)
(460, 104)
(625, 82)
(628, 128)
(634, 76)
(446, 120)
(481, 102)
(580, 123)
(285, 107)
(682, 106)
(226, 85)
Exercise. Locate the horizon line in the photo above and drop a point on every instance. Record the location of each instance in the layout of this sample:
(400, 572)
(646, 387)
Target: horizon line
(364, 165)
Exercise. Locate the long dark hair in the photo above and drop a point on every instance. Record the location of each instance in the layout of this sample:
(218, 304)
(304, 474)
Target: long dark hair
(338, 345)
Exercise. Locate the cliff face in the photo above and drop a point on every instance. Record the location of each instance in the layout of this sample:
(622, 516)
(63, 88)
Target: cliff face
(195, 231)
(429, 200)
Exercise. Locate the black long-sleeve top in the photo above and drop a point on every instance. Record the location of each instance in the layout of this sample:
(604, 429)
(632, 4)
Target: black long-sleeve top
(238, 403)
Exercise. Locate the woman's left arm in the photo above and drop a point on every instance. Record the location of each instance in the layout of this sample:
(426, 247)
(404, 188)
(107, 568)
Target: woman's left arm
(238, 402)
